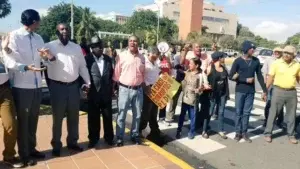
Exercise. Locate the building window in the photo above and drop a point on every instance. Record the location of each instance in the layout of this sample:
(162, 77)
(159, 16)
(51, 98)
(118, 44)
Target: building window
(176, 14)
(214, 19)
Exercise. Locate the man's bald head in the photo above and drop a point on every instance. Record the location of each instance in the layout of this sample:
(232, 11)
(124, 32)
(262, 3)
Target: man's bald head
(63, 33)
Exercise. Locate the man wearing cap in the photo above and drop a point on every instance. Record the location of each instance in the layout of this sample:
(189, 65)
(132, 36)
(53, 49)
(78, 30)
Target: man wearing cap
(277, 53)
(283, 75)
(100, 94)
(243, 72)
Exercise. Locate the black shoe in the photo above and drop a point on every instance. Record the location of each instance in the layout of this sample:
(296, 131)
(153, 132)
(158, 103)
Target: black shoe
(246, 138)
(38, 155)
(136, 140)
(178, 135)
(238, 137)
(120, 143)
(14, 162)
(75, 148)
(110, 142)
(92, 144)
(56, 153)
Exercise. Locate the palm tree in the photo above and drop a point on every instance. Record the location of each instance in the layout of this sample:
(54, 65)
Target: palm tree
(87, 25)
(5, 8)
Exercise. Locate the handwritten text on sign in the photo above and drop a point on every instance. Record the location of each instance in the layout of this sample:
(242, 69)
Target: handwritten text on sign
(163, 90)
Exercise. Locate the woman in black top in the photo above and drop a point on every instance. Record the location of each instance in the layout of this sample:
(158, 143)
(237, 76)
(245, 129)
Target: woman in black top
(218, 79)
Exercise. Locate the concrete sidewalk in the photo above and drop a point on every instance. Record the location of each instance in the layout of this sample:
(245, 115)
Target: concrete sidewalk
(102, 157)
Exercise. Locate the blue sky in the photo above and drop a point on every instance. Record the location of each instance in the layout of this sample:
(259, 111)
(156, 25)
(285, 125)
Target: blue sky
(273, 19)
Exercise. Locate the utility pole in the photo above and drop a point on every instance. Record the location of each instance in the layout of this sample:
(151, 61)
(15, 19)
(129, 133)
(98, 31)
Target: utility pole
(72, 20)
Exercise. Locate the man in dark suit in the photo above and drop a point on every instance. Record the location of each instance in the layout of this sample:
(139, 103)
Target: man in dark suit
(100, 93)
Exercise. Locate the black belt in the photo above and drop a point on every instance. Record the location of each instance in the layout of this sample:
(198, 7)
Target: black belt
(286, 89)
(64, 83)
(130, 87)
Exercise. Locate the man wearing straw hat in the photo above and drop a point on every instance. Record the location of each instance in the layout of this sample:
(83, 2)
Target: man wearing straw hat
(283, 75)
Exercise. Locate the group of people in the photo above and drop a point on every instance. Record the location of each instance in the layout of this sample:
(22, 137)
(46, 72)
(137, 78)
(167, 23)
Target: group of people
(204, 86)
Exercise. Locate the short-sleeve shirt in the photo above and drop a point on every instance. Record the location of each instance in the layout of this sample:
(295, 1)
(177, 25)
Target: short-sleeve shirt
(285, 75)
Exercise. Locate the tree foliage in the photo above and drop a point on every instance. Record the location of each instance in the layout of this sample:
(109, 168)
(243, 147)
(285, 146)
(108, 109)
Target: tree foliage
(87, 25)
(146, 21)
(5, 8)
(294, 40)
(228, 42)
(60, 13)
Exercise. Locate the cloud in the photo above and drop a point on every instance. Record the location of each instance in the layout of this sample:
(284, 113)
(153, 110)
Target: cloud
(107, 16)
(278, 29)
(43, 11)
(233, 2)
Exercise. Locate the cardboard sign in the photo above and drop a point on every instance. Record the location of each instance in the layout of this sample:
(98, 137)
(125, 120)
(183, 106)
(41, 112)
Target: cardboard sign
(163, 90)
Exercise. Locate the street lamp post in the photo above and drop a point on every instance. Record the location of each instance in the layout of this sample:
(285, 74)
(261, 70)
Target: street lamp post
(72, 20)
(158, 18)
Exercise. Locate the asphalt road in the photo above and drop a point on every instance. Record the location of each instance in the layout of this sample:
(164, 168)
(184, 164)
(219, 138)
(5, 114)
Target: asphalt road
(280, 154)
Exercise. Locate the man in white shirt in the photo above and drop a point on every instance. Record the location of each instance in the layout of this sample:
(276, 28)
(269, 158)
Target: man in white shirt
(150, 109)
(23, 46)
(63, 73)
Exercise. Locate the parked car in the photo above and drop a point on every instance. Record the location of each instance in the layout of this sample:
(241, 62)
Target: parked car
(231, 52)
(264, 54)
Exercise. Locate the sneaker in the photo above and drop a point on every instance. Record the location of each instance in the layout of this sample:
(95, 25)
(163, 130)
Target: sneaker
(238, 137)
(223, 135)
(293, 140)
(191, 136)
(205, 135)
(268, 139)
(246, 138)
(14, 162)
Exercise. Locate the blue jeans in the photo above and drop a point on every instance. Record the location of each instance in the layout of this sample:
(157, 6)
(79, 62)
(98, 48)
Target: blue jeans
(243, 106)
(126, 98)
(192, 116)
(219, 104)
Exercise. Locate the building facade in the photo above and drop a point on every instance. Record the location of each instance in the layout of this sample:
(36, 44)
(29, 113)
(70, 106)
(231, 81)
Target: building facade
(112, 16)
(213, 16)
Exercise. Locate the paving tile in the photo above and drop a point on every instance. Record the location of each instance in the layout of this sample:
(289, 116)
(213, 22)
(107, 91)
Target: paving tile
(121, 165)
(147, 150)
(173, 166)
(84, 154)
(161, 160)
(109, 156)
(90, 163)
(131, 152)
(66, 164)
(144, 162)
(38, 167)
